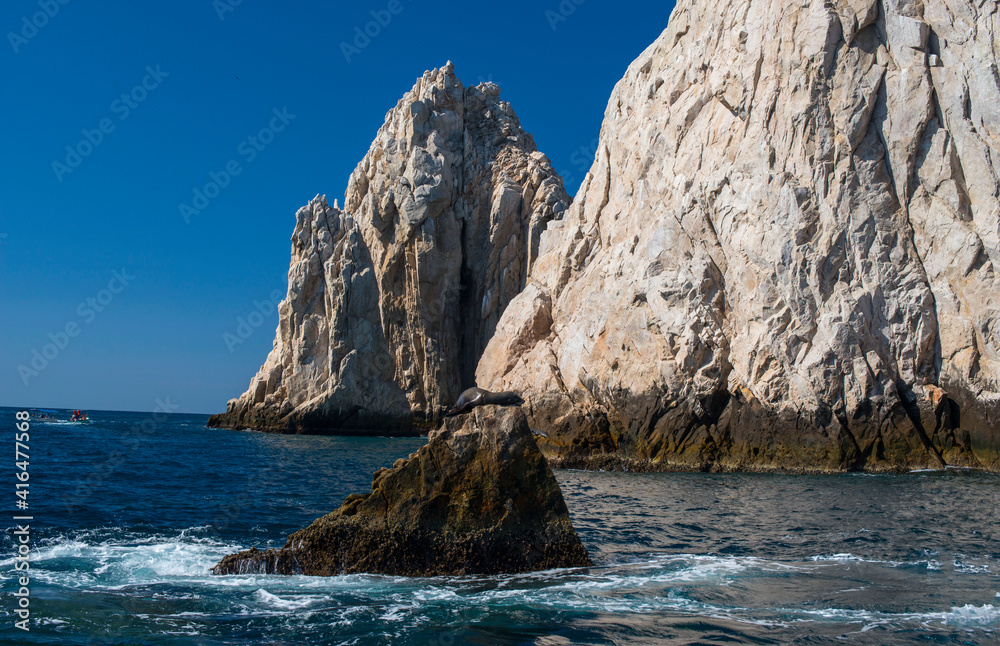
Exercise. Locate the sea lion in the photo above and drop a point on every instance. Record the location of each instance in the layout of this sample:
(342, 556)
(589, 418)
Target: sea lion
(474, 397)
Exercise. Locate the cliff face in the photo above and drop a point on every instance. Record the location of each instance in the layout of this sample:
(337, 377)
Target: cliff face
(453, 197)
(330, 365)
(784, 255)
(478, 498)
(390, 303)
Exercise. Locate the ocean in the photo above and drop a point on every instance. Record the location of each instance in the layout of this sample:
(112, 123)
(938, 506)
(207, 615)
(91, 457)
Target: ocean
(131, 511)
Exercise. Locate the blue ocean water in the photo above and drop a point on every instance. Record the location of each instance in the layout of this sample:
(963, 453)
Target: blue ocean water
(132, 510)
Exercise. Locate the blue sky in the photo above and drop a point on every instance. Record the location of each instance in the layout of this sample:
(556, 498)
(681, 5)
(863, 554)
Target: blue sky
(116, 112)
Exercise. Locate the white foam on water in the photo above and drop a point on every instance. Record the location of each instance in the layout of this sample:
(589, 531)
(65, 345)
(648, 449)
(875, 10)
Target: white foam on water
(275, 601)
(680, 603)
(396, 613)
(973, 565)
(110, 558)
(930, 564)
(967, 616)
(49, 621)
(435, 593)
(845, 557)
(640, 587)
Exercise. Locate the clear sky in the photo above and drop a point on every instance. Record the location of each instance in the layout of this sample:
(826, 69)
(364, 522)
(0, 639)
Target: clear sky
(114, 113)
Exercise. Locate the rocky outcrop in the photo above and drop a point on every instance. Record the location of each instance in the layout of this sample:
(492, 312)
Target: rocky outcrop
(478, 498)
(330, 366)
(391, 303)
(785, 252)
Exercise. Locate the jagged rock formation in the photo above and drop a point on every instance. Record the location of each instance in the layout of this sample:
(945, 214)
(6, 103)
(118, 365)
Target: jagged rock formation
(785, 253)
(391, 303)
(330, 365)
(478, 498)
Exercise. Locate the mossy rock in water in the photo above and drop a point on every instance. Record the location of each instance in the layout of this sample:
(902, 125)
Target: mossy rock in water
(478, 498)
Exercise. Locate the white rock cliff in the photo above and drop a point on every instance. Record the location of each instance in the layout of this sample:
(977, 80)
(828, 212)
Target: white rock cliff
(785, 253)
(392, 301)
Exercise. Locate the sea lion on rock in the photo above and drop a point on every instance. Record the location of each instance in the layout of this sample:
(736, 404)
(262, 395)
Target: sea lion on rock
(474, 397)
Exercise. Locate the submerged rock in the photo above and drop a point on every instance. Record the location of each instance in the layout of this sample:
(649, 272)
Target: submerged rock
(392, 301)
(478, 498)
(785, 253)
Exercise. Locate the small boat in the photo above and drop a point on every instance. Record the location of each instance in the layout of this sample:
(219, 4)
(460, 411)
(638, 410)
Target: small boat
(45, 414)
(80, 417)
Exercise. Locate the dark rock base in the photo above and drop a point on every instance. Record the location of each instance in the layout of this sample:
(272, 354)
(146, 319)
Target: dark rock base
(268, 420)
(345, 548)
(735, 432)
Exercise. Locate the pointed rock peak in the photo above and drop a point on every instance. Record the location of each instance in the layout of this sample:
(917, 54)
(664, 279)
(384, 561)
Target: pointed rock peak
(319, 202)
(444, 78)
(441, 78)
(392, 299)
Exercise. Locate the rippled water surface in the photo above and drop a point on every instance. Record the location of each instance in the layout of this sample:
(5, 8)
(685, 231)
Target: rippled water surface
(127, 526)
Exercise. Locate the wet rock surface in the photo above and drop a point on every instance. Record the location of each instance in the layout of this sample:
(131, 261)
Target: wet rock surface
(478, 498)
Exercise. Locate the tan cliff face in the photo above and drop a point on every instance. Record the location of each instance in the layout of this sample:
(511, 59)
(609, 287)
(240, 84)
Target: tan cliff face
(392, 301)
(784, 255)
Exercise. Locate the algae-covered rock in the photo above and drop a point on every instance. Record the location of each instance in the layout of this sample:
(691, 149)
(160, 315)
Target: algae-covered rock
(478, 498)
